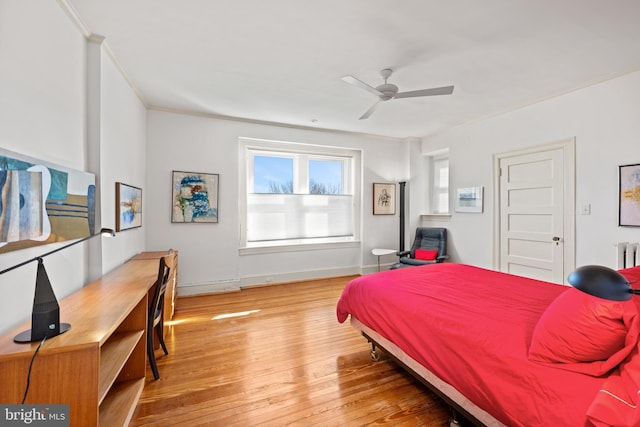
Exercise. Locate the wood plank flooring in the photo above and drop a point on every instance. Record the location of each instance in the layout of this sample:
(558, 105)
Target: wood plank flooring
(276, 356)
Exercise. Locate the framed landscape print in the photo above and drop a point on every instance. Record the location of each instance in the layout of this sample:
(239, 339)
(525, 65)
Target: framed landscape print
(469, 199)
(384, 198)
(629, 195)
(194, 196)
(128, 206)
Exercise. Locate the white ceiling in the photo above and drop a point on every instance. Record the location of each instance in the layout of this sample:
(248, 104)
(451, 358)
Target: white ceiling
(281, 60)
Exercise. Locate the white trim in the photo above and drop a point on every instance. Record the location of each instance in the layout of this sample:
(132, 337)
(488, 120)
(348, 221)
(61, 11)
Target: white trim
(99, 39)
(234, 285)
(298, 276)
(184, 290)
(287, 247)
(436, 217)
(193, 113)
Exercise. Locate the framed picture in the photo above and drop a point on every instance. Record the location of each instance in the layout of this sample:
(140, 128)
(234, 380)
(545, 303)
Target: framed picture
(43, 203)
(194, 196)
(629, 196)
(384, 198)
(128, 207)
(469, 199)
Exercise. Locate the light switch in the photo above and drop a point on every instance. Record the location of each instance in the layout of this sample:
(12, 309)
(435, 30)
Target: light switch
(585, 209)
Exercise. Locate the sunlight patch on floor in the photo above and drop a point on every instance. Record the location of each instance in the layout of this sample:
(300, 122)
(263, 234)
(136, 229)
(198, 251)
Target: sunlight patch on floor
(237, 314)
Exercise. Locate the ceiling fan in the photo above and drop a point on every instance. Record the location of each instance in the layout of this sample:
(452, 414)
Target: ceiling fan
(388, 91)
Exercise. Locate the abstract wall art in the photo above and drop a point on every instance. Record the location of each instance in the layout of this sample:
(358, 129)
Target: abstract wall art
(629, 195)
(128, 206)
(194, 197)
(43, 203)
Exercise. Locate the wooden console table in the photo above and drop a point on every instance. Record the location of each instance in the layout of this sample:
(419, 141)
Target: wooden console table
(97, 367)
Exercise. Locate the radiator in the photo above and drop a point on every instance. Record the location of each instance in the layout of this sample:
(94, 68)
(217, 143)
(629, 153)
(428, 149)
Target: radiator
(628, 254)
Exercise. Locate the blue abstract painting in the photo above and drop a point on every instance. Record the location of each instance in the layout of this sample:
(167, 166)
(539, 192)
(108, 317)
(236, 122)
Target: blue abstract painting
(195, 197)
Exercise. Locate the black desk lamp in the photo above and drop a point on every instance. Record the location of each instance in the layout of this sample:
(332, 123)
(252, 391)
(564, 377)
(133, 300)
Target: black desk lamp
(45, 317)
(602, 282)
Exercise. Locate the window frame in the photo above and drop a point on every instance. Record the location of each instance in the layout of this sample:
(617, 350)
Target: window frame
(352, 186)
(435, 188)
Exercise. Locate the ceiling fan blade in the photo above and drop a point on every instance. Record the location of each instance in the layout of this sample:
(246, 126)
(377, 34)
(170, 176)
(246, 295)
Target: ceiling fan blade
(445, 90)
(353, 81)
(369, 111)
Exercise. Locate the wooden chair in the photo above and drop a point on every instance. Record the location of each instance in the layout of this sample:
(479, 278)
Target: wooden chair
(155, 318)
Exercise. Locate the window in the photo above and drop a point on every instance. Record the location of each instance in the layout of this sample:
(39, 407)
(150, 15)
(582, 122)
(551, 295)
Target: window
(440, 185)
(297, 194)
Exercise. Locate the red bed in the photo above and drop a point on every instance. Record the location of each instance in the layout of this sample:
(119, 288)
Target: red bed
(470, 331)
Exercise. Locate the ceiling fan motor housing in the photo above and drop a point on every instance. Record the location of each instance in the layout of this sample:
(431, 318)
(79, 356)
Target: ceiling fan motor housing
(387, 90)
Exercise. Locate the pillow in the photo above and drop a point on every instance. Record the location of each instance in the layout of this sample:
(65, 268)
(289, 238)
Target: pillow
(425, 255)
(583, 333)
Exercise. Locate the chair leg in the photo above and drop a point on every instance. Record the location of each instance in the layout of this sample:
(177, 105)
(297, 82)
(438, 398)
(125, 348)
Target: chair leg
(151, 354)
(160, 333)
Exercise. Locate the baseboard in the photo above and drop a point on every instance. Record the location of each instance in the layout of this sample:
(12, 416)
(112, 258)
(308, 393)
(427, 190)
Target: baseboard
(207, 288)
(190, 289)
(297, 276)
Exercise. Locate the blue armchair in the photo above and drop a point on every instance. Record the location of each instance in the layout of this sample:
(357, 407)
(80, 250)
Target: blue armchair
(428, 243)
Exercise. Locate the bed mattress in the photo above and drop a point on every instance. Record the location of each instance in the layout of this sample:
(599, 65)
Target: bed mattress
(471, 328)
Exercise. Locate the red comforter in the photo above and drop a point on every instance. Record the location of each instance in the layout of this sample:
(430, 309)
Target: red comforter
(472, 327)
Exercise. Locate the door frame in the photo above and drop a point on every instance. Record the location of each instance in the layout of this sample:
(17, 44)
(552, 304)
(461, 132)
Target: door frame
(568, 147)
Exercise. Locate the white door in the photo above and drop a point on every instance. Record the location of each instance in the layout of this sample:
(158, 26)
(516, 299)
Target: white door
(532, 214)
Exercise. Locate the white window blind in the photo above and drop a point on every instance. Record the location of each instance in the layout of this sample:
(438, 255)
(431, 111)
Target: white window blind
(298, 216)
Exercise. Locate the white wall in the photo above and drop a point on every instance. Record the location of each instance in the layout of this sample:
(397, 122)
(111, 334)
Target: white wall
(123, 126)
(43, 114)
(209, 256)
(604, 121)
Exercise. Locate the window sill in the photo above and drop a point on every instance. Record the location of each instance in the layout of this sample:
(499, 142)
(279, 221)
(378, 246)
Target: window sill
(436, 217)
(271, 247)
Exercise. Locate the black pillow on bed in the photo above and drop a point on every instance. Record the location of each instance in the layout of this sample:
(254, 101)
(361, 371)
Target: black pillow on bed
(583, 333)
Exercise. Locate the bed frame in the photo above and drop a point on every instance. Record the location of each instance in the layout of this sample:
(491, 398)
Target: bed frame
(458, 403)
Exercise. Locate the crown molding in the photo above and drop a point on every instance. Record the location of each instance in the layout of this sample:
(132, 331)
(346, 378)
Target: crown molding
(92, 37)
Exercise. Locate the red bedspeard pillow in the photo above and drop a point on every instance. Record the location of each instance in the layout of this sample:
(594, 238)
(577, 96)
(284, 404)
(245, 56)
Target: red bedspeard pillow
(425, 255)
(586, 334)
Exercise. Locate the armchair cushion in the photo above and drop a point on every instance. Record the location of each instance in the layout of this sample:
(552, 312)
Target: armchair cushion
(425, 254)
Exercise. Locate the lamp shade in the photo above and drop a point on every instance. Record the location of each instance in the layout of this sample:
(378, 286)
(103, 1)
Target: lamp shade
(602, 282)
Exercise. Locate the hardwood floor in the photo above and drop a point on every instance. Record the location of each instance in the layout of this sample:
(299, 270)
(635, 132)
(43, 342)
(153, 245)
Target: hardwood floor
(277, 356)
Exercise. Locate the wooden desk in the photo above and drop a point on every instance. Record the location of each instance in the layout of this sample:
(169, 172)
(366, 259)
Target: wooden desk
(97, 367)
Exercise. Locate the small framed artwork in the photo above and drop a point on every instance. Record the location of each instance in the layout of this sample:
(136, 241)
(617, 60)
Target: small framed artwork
(469, 199)
(195, 197)
(128, 207)
(629, 196)
(384, 198)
